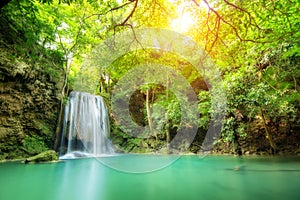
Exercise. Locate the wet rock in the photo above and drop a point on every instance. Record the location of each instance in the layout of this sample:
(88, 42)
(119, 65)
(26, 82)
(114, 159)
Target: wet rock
(47, 156)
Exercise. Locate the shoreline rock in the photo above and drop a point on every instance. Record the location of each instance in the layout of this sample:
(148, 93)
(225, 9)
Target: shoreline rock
(46, 156)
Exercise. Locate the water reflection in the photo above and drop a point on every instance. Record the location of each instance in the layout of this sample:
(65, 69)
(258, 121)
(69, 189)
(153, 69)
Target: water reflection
(81, 179)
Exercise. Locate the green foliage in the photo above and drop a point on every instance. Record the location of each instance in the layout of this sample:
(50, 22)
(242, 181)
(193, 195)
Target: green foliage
(34, 144)
(166, 109)
(273, 90)
(26, 35)
(204, 107)
(255, 44)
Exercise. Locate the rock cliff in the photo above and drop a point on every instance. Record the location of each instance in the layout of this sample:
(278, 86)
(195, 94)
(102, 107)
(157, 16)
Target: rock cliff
(29, 102)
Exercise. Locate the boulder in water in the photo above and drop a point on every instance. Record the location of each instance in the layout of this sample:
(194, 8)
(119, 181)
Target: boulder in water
(46, 156)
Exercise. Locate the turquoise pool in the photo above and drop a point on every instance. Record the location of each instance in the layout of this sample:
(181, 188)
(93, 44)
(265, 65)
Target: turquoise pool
(188, 177)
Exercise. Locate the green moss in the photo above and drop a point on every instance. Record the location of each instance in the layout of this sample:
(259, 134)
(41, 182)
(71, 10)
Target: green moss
(34, 144)
(45, 156)
(43, 127)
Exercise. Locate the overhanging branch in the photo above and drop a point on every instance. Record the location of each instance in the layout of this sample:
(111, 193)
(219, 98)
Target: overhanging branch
(220, 19)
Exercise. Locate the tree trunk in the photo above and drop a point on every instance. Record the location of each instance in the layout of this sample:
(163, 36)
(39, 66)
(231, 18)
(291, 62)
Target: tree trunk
(61, 107)
(168, 135)
(269, 136)
(58, 125)
(152, 132)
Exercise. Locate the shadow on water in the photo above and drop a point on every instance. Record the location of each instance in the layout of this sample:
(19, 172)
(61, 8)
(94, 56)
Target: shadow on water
(256, 164)
(244, 168)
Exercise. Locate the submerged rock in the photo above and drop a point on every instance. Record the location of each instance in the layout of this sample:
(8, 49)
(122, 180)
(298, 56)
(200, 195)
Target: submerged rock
(46, 156)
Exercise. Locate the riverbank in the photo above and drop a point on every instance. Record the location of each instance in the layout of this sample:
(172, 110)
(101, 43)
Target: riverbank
(260, 155)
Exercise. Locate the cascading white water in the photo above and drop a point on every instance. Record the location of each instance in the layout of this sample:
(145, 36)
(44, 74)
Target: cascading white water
(85, 127)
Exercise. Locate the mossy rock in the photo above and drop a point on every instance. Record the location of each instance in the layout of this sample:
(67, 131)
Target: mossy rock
(46, 156)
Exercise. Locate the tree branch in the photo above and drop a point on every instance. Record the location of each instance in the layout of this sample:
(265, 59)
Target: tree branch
(235, 30)
(110, 10)
(131, 13)
(244, 11)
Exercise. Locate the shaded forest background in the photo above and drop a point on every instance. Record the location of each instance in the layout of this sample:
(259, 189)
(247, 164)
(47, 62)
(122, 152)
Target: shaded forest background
(255, 44)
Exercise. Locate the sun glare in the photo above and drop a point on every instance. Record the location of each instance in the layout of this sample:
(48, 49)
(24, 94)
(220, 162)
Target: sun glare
(183, 23)
(185, 16)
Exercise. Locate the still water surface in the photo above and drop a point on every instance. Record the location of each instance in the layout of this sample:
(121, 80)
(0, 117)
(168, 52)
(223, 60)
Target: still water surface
(213, 177)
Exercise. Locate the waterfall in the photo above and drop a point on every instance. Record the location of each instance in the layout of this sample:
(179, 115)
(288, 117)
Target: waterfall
(85, 127)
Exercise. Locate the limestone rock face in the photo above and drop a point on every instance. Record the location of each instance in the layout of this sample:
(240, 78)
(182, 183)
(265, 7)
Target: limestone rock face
(29, 102)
